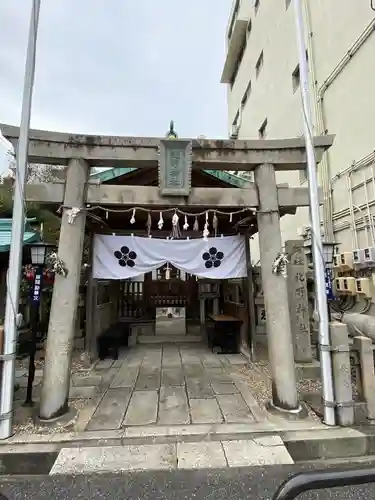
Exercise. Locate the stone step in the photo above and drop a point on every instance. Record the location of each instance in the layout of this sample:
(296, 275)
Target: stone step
(263, 450)
(159, 434)
(164, 339)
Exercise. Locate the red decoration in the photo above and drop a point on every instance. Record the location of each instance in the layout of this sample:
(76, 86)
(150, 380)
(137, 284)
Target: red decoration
(48, 274)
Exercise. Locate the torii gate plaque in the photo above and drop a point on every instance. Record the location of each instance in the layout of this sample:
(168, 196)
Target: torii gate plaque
(175, 161)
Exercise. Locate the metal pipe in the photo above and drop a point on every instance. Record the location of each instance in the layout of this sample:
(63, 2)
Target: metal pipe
(345, 212)
(316, 239)
(355, 234)
(325, 164)
(366, 33)
(364, 223)
(363, 162)
(18, 226)
(373, 193)
(370, 226)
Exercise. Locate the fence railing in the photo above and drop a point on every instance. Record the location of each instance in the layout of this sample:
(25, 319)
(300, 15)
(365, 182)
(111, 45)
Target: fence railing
(319, 480)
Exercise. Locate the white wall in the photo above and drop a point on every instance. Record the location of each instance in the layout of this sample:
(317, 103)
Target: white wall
(349, 103)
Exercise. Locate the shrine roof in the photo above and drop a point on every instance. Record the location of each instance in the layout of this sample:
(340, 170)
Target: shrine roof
(221, 175)
(29, 236)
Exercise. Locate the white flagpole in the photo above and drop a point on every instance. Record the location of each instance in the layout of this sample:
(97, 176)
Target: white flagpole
(316, 239)
(18, 224)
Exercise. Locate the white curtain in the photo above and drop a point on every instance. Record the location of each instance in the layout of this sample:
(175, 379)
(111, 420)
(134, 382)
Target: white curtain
(122, 257)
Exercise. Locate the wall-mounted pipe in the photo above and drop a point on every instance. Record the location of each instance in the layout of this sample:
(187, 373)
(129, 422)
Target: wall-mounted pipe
(363, 162)
(354, 48)
(325, 164)
(351, 209)
(371, 226)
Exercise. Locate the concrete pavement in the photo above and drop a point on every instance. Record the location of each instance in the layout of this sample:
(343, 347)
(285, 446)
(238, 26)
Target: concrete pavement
(247, 483)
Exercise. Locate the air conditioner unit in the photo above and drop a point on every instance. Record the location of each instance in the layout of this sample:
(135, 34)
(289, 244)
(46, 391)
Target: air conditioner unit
(358, 257)
(346, 286)
(369, 256)
(337, 262)
(346, 261)
(363, 287)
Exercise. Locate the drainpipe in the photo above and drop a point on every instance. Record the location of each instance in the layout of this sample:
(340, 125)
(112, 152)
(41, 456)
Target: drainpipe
(320, 129)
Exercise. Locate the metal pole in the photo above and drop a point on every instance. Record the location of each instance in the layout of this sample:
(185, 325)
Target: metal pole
(18, 225)
(35, 326)
(316, 239)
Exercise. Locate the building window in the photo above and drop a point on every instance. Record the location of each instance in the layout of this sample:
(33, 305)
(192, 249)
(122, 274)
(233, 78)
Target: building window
(287, 3)
(236, 125)
(296, 78)
(249, 27)
(246, 95)
(256, 5)
(233, 20)
(296, 75)
(263, 130)
(259, 64)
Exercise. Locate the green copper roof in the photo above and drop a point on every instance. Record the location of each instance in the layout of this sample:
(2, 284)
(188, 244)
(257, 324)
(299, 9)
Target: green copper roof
(231, 179)
(6, 234)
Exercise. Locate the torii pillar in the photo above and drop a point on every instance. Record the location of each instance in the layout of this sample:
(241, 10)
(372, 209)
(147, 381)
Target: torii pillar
(279, 334)
(61, 329)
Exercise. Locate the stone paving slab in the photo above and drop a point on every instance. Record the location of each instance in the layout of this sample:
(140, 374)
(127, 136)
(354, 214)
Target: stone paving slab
(84, 392)
(205, 411)
(173, 406)
(172, 377)
(126, 377)
(148, 378)
(267, 450)
(111, 410)
(200, 456)
(224, 388)
(104, 364)
(86, 380)
(143, 408)
(115, 459)
(234, 408)
(199, 389)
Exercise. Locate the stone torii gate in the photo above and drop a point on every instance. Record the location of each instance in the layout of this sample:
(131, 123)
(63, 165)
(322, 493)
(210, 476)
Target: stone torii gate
(81, 152)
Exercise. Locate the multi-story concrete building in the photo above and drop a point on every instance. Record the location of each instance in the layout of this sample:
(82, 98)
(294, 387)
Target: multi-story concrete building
(262, 74)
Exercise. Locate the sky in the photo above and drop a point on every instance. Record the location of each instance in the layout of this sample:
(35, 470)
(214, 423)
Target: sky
(118, 67)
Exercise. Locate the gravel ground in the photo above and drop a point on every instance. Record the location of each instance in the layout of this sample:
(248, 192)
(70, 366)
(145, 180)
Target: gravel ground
(257, 374)
(24, 417)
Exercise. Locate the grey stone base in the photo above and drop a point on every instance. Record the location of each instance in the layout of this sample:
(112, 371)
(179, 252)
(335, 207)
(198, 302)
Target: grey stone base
(298, 414)
(66, 420)
(308, 370)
